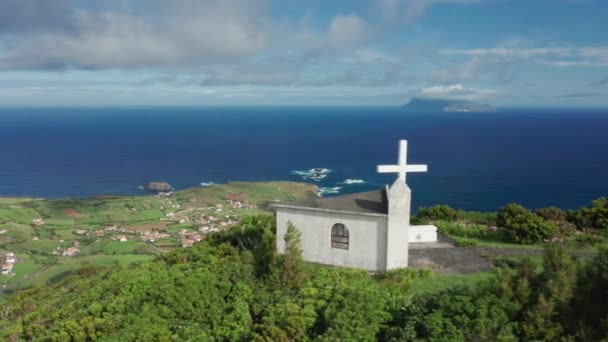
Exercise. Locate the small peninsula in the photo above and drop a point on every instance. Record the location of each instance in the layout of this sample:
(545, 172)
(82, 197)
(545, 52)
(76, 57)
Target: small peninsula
(442, 105)
(158, 186)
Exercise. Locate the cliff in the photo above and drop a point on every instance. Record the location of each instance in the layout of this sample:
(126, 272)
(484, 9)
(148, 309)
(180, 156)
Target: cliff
(442, 105)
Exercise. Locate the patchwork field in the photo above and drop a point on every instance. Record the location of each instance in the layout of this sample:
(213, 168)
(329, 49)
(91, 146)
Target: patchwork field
(52, 239)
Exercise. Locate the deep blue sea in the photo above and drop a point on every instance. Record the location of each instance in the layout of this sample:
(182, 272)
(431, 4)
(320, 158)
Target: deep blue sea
(477, 161)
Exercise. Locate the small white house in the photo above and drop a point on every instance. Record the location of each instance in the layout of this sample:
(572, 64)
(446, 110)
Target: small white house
(70, 251)
(10, 257)
(7, 268)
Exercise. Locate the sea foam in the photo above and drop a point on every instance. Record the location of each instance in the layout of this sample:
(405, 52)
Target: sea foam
(350, 181)
(328, 190)
(315, 174)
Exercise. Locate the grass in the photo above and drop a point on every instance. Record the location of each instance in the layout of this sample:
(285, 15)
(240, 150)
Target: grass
(513, 261)
(169, 242)
(16, 236)
(65, 234)
(441, 282)
(18, 214)
(40, 246)
(108, 260)
(30, 273)
(16, 200)
(127, 247)
(257, 193)
(479, 235)
(23, 270)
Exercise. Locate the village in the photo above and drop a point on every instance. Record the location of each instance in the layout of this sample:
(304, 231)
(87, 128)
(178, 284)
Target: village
(202, 221)
(205, 220)
(50, 239)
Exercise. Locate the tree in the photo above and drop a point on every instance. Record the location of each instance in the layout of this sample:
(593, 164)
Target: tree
(436, 213)
(508, 212)
(265, 254)
(589, 310)
(555, 289)
(293, 270)
(595, 216)
(524, 226)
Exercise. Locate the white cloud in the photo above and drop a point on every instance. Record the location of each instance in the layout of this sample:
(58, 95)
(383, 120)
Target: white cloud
(187, 33)
(586, 56)
(410, 10)
(455, 92)
(487, 68)
(574, 63)
(594, 52)
(347, 31)
(510, 52)
(183, 34)
(469, 71)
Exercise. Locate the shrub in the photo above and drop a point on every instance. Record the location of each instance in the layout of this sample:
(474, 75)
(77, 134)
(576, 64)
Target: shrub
(453, 229)
(488, 219)
(403, 276)
(436, 213)
(508, 212)
(588, 239)
(595, 216)
(524, 226)
(551, 214)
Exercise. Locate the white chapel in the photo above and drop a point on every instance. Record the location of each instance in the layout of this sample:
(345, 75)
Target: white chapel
(368, 230)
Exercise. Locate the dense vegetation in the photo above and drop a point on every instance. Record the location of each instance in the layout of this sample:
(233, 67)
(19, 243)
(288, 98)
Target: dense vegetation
(515, 224)
(234, 287)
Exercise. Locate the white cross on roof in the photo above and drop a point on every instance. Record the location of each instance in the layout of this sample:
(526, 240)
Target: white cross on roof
(402, 168)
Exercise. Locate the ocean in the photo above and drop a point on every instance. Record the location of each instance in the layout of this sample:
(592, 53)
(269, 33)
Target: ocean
(477, 161)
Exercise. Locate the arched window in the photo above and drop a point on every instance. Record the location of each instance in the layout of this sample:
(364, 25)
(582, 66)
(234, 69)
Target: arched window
(339, 236)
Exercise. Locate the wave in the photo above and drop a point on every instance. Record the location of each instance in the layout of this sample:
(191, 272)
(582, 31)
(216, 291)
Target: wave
(350, 181)
(328, 190)
(315, 174)
(207, 183)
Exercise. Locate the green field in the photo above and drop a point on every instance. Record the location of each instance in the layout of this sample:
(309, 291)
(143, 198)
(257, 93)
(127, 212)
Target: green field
(76, 222)
(127, 247)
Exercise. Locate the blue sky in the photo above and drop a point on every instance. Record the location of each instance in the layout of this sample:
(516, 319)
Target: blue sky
(316, 52)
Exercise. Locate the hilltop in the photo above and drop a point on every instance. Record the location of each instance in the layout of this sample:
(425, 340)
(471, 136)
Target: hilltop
(234, 287)
(442, 105)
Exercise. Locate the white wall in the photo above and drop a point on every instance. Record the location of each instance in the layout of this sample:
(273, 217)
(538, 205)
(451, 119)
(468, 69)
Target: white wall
(367, 242)
(427, 233)
(399, 201)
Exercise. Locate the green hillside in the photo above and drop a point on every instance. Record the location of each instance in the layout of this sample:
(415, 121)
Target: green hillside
(216, 291)
(549, 281)
(95, 226)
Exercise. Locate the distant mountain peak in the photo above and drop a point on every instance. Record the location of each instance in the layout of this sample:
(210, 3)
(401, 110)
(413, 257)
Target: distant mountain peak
(417, 104)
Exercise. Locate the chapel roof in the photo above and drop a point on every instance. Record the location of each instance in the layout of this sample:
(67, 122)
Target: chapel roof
(371, 202)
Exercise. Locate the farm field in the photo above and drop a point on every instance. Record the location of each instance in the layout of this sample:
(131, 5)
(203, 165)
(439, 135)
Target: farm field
(52, 239)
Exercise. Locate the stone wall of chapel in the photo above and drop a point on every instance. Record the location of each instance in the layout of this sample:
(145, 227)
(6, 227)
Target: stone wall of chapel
(367, 237)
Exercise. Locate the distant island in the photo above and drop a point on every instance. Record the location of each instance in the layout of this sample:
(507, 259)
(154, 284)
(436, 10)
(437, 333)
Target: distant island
(441, 105)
